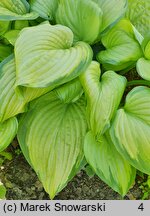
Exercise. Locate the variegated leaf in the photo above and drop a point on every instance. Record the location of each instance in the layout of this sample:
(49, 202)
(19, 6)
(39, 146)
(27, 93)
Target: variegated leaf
(46, 57)
(131, 127)
(118, 42)
(16, 10)
(8, 131)
(103, 94)
(53, 132)
(108, 164)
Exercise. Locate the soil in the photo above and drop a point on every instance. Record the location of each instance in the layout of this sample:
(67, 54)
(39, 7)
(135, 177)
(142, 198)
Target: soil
(22, 184)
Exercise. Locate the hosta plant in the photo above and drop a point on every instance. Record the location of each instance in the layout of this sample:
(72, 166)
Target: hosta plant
(66, 90)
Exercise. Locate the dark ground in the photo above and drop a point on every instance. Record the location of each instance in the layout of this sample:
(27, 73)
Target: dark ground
(22, 183)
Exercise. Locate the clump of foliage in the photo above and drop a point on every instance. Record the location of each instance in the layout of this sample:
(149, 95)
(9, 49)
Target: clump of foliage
(66, 107)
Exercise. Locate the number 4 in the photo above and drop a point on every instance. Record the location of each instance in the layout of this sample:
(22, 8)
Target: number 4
(141, 207)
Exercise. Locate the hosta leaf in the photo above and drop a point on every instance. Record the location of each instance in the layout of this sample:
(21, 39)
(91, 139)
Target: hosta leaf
(143, 64)
(5, 51)
(143, 68)
(130, 129)
(137, 103)
(71, 91)
(138, 36)
(112, 11)
(20, 24)
(146, 46)
(118, 42)
(46, 8)
(2, 191)
(38, 51)
(8, 131)
(51, 136)
(16, 10)
(139, 14)
(4, 26)
(103, 94)
(11, 36)
(33, 93)
(108, 164)
(83, 17)
(10, 103)
(89, 171)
